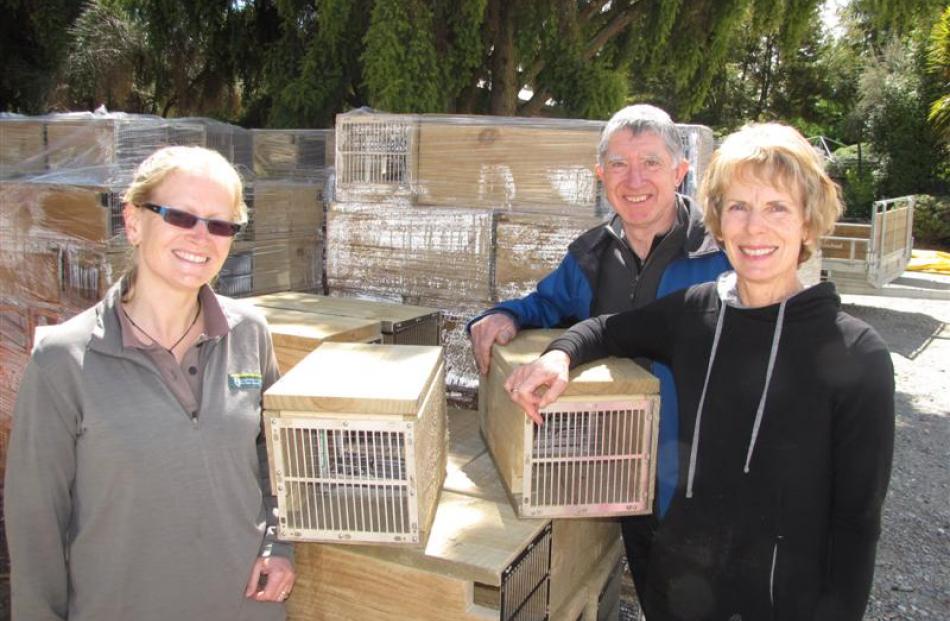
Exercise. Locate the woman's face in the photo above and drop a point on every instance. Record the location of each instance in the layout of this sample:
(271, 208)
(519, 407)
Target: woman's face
(174, 257)
(763, 227)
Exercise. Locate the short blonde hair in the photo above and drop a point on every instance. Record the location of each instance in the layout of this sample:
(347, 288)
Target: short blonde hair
(196, 160)
(778, 155)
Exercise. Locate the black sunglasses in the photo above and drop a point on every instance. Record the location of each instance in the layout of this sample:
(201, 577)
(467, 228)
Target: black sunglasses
(185, 220)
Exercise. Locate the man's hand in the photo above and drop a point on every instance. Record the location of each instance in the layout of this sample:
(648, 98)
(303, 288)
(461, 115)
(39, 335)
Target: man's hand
(495, 328)
(550, 370)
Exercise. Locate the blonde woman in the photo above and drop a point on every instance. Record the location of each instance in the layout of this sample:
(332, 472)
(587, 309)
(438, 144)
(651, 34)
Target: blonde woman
(135, 487)
(786, 405)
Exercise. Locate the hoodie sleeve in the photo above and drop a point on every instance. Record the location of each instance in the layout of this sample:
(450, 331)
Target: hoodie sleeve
(642, 333)
(40, 470)
(270, 374)
(863, 447)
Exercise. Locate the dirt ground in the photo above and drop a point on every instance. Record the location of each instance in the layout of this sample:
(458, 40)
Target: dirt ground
(912, 576)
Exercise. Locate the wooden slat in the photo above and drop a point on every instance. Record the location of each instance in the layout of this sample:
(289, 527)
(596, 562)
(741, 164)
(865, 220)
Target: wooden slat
(358, 379)
(389, 314)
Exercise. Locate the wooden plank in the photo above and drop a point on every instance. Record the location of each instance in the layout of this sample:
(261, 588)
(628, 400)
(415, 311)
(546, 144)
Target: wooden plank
(548, 165)
(845, 248)
(358, 379)
(579, 548)
(286, 209)
(22, 147)
(297, 329)
(39, 210)
(852, 229)
(389, 314)
(529, 246)
(612, 376)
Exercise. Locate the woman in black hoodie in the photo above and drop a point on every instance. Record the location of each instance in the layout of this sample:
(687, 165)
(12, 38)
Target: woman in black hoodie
(786, 405)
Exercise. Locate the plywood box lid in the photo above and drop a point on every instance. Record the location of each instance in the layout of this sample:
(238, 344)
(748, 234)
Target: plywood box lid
(389, 313)
(291, 327)
(357, 378)
(610, 376)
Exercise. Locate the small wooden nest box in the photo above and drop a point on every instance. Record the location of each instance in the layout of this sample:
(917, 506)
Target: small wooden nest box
(401, 324)
(357, 442)
(596, 453)
(297, 333)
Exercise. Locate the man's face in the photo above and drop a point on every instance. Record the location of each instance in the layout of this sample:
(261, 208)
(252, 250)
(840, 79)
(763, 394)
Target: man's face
(640, 181)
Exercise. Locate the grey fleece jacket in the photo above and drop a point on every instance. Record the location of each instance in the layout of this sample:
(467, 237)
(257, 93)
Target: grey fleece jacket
(118, 504)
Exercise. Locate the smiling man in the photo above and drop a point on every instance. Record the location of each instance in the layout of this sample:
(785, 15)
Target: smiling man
(654, 244)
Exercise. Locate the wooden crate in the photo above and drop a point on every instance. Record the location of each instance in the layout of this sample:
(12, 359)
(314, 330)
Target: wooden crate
(105, 148)
(357, 441)
(426, 256)
(256, 267)
(61, 212)
(481, 562)
(530, 246)
(22, 147)
(375, 156)
(297, 333)
(538, 164)
(303, 154)
(581, 550)
(596, 453)
(401, 324)
(281, 209)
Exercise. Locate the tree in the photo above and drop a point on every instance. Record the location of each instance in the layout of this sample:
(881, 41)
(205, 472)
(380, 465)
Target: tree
(33, 43)
(938, 62)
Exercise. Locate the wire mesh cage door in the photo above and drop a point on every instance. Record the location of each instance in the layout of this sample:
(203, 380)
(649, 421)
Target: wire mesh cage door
(591, 457)
(345, 481)
(526, 583)
(375, 155)
(425, 330)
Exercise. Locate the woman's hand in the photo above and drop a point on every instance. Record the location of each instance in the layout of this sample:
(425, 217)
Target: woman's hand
(551, 371)
(279, 579)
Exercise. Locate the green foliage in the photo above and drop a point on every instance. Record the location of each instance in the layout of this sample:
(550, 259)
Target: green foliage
(858, 189)
(401, 68)
(932, 222)
(938, 64)
(33, 44)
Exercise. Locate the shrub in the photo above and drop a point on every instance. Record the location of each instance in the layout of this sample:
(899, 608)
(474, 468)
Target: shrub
(932, 222)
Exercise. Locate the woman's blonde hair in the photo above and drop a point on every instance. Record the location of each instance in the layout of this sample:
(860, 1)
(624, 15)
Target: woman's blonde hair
(780, 156)
(156, 168)
(196, 160)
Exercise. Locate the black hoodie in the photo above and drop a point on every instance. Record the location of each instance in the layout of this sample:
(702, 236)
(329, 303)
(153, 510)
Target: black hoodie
(786, 439)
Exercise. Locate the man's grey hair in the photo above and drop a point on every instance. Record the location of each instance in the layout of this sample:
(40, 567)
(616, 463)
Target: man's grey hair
(642, 118)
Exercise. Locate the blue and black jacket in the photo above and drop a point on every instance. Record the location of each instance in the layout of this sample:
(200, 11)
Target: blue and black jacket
(601, 275)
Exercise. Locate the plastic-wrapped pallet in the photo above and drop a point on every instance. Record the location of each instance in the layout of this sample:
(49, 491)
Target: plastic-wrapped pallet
(504, 163)
(302, 154)
(283, 208)
(423, 256)
(22, 146)
(231, 141)
(282, 264)
(529, 246)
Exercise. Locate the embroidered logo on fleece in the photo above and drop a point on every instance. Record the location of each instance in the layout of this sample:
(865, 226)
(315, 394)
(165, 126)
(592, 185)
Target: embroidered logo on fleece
(245, 381)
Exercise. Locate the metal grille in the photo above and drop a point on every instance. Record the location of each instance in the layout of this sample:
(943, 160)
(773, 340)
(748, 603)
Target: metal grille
(80, 280)
(344, 480)
(426, 331)
(374, 154)
(590, 456)
(526, 583)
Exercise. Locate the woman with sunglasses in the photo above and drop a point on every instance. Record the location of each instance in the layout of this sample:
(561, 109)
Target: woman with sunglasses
(136, 484)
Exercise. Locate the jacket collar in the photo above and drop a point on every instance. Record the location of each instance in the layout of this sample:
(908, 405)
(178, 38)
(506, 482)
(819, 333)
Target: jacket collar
(697, 241)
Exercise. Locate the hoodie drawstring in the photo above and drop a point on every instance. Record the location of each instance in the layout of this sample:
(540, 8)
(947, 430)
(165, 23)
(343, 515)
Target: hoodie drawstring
(694, 449)
(768, 380)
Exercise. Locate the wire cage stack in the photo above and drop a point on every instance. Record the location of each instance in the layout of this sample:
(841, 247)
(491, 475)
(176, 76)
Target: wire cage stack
(357, 443)
(596, 453)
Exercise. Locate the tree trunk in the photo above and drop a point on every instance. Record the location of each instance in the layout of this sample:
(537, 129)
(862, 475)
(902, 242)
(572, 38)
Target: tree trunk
(504, 65)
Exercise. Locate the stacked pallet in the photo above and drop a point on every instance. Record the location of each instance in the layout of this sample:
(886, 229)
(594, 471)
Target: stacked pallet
(281, 248)
(459, 212)
(62, 241)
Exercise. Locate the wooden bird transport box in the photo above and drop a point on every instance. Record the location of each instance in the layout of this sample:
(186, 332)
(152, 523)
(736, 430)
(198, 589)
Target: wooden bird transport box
(356, 437)
(401, 324)
(297, 333)
(596, 453)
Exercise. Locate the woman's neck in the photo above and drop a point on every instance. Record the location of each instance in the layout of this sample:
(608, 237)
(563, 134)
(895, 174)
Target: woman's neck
(756, 295)
(163, 314)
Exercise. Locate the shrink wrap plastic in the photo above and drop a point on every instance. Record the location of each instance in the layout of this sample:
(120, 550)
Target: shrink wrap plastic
(503, 163)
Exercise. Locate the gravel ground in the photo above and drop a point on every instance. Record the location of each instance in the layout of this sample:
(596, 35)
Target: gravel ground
(912, 575)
